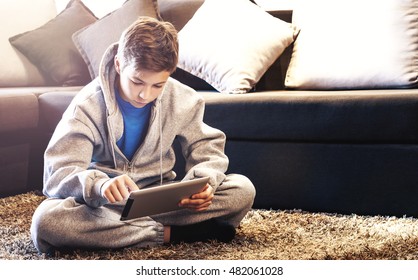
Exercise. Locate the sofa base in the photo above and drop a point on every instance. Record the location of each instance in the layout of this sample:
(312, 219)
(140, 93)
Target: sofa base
(15, 150)
(364, 179)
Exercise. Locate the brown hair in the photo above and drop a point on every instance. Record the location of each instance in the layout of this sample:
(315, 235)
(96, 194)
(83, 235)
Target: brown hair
(150, 45)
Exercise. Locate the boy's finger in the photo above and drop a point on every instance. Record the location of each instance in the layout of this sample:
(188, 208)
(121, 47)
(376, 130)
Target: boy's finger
(131, 185)
(108, 195)
(204, 193)
(117, 194)
(124, 191)
(204, 206)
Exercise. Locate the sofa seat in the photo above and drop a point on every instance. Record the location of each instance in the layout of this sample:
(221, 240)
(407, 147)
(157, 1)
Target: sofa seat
(356, 116)
(369, 116)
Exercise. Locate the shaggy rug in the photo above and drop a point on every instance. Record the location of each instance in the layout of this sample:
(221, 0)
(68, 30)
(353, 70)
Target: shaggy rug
(263, 235)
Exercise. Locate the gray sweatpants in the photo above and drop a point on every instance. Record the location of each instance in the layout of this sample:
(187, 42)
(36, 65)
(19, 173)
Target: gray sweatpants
(65, 223)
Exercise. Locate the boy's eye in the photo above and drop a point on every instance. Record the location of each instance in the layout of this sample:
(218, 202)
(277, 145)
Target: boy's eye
(137, 83)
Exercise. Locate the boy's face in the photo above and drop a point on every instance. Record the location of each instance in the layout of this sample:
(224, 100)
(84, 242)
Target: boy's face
(140, 87)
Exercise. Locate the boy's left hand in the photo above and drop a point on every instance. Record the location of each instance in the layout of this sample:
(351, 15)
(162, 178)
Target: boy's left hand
(200, 201)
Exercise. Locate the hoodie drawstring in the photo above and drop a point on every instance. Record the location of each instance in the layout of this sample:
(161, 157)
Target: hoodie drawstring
(161, 142)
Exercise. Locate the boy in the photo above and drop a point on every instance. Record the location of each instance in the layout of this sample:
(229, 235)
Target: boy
(116, 136)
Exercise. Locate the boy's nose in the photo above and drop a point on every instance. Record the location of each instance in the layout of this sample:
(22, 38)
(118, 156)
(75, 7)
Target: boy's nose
(145, 93)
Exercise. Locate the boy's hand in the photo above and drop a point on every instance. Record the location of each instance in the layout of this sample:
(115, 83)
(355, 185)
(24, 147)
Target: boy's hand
(118, 188)
(200, 201)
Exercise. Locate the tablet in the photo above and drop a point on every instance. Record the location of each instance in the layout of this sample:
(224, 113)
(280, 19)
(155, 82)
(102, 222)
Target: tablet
(160, 199)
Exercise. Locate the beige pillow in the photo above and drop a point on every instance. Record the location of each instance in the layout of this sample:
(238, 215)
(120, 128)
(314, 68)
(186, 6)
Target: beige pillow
(100, 8)
(19, 16)
(51, 49)
(349, 44)
(93, 40)
(231, 44)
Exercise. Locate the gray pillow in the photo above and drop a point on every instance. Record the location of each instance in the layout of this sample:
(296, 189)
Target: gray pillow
(178, 12)
(93, 40)
(51, 49)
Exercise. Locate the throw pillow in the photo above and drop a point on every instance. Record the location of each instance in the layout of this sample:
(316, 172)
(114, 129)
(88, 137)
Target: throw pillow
(178, 12)
(51, 49)
(351, 44)
(231, 44)
(93, 40)
(100, 8)
(18, 16)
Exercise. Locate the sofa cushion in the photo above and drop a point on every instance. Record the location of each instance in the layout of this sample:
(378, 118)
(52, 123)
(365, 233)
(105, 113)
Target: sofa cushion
(93, 40)
(350, 44)
(18, 111)
(20, 106)
(51, 107)
(232, 52)
(51, 49)
(363, 116)
(377, 116)
(19, 16)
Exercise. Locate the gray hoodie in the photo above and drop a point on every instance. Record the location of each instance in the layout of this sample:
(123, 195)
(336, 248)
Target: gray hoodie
(82, 153)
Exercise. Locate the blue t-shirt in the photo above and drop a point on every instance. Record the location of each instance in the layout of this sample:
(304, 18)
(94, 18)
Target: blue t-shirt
(136, 121)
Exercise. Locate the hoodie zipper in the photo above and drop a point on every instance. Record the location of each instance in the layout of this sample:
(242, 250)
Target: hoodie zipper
(129, 163)
(129, 168)
(111, 139)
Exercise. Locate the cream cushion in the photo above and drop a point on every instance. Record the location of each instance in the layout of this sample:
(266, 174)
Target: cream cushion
(231, 44)
(350, 44)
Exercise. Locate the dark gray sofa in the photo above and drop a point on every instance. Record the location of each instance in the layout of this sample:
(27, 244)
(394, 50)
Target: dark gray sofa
(351, 151)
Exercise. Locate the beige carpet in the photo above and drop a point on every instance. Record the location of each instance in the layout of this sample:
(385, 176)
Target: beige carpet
(263, 235)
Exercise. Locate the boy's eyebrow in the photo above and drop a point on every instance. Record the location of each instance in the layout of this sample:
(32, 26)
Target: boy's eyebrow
(139, 80)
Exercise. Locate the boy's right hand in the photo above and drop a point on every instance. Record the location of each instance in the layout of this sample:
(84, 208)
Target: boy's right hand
(118, 188)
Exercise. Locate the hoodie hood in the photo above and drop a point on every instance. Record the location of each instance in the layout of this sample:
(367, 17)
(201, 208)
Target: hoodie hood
(106, 71)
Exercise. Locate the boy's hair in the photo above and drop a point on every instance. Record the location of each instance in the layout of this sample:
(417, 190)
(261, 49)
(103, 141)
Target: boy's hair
(150, 45)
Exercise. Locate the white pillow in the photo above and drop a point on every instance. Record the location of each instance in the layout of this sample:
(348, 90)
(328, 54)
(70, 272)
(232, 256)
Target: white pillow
(100, 8)
(18, 16)
(354, 44)
(231, 44)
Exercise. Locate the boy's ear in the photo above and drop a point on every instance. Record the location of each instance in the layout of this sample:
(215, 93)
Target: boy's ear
(117, 64)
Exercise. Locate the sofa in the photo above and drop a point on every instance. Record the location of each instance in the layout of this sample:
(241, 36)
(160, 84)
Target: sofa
(334, 149)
